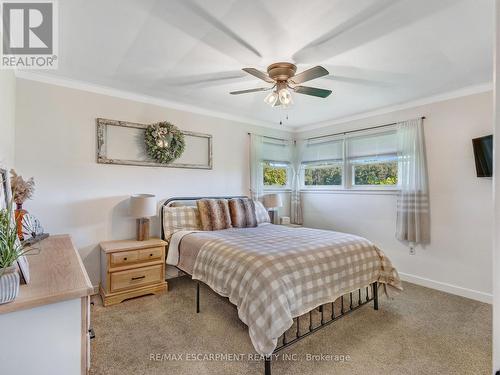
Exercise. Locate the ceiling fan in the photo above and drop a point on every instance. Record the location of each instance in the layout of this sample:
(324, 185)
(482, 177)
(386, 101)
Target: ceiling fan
(282, 76)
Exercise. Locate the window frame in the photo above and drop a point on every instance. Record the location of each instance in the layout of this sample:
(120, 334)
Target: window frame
(304, 165)
(288, 166)
(348, 171)
(353, 185)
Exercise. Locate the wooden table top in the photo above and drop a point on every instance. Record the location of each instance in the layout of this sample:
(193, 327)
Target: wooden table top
(57, 274)
(125, 245)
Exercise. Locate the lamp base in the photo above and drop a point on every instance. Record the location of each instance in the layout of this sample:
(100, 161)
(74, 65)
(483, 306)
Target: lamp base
(143, 229)
(273, 215)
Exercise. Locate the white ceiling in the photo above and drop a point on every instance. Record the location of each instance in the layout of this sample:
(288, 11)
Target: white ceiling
(379, 52)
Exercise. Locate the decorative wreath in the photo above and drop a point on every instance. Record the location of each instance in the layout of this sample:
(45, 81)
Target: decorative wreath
(164, 142)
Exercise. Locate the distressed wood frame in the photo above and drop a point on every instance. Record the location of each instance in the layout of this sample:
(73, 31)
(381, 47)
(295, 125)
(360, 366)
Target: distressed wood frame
(102, 157)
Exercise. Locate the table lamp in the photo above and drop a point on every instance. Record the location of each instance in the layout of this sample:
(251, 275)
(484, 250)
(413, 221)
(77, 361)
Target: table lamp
(272, 202)
(142, 207)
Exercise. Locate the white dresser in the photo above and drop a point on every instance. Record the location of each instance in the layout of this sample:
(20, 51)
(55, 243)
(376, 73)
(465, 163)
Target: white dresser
(45, 331)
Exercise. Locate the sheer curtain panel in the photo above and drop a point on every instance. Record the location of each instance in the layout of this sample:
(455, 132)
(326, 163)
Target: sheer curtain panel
(256, 174)
(296, 216)
(413, 216)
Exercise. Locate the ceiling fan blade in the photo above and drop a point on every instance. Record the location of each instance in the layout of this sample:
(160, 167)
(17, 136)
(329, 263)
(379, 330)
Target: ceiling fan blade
(250, 90)
(257, 73)
(309, 74)
(313, 91)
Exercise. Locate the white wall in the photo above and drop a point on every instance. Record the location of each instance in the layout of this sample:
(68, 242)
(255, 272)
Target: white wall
(458, 259)
(7, 117)
(55, 143)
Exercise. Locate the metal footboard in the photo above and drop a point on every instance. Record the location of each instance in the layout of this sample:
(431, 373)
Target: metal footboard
(355, 300)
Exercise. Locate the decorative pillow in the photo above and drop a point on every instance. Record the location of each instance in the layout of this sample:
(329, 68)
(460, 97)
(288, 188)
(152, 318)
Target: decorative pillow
(214, 214)
(261, 213)
(180, 218)
(242, 213)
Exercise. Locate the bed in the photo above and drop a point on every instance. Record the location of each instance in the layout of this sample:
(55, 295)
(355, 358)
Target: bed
(276, 275)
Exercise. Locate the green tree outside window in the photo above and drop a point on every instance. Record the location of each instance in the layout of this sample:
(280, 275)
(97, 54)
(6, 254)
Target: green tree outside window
(376, 174)
(323, 176)
(275, 175)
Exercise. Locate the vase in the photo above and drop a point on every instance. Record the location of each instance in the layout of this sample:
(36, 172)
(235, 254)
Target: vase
(19, 214)
(9, 284)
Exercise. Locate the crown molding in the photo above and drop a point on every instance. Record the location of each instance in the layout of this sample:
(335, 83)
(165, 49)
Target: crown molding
(128, 95)
(466, 91)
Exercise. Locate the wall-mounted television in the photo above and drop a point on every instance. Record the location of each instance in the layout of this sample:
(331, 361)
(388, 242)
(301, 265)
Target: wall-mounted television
(483, 154)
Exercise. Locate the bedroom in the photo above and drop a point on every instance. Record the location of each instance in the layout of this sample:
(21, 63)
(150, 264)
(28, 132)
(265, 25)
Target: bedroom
(322, 165)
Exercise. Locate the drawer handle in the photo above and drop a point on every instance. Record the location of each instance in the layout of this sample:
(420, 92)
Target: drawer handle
(139, 277)
(125, 258)
(150, 255)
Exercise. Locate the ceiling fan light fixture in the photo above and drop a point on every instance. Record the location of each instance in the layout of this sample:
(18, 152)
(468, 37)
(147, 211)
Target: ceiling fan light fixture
(271, 98)
(282, 75)
(285, 97)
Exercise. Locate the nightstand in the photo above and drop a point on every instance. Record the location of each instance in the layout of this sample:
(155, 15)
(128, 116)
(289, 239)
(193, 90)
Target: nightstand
(131, 269)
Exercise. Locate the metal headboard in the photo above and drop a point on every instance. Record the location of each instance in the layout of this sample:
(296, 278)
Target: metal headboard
(169, 201)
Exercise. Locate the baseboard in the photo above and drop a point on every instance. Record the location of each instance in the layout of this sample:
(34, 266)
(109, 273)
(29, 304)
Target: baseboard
(448, 288)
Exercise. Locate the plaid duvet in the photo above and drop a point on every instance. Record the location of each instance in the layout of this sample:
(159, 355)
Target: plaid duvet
(274, 273)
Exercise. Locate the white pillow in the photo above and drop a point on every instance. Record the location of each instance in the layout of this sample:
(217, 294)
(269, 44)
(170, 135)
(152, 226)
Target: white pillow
(261, 213)
(180, 218)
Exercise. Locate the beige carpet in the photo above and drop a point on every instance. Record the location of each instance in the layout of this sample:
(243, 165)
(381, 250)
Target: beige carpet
(421, 331)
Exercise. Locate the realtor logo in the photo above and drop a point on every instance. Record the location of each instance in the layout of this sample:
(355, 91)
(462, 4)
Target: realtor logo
(29, 35)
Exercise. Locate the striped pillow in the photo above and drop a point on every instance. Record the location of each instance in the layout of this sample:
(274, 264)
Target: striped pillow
(180, 218)
(242, 213)
(261, 213)
(214, 214)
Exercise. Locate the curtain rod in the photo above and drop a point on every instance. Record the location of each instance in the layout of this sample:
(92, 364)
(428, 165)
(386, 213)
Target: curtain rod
(275, 138)
(331, 135)
(357, 130)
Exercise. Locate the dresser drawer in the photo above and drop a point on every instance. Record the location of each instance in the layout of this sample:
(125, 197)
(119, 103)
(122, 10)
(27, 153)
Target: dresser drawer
(153, 253)
(124, 257)
(136, 277)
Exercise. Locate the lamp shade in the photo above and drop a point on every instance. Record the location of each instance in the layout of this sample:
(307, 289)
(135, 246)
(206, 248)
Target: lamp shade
(272, 201)
(142, 205)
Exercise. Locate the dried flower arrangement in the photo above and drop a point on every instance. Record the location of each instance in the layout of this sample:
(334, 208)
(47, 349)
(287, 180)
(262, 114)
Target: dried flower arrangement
(21, 190)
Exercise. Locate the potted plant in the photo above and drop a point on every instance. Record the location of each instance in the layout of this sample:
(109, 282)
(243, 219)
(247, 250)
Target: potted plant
(10, 250)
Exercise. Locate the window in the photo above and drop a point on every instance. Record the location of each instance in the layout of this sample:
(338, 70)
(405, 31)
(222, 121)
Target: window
(276, 174)
(367, 159)
(276, 167)
(375, 172)
(328, 174)
(322, 165)
(373, 159)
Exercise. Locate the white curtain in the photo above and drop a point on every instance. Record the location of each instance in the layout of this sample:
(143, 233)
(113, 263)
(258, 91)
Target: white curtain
(256, 176)
(413, 217)
(296, 199)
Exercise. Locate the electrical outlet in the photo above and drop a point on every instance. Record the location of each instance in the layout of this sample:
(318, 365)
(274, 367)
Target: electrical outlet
(412, 250)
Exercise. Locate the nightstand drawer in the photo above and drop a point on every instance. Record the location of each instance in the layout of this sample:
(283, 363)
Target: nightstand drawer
(136, 277)
(124, 257)
(153, 253)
